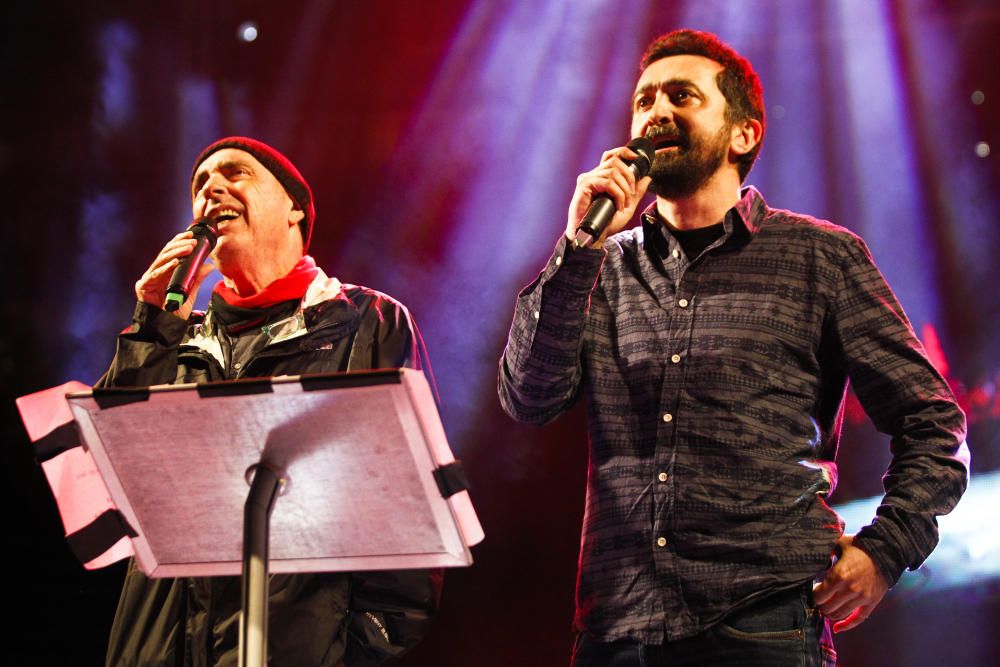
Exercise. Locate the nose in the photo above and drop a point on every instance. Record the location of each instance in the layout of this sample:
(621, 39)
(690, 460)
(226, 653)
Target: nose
(662, 112)
(214, 184)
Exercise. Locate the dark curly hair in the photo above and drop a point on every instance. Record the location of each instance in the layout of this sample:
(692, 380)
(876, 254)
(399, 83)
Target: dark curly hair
(738, 81)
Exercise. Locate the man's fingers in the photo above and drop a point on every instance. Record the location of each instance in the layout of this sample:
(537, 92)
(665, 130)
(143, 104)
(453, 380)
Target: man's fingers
(835, 597)
(617, 193)
(840, 607)
(178, 243)
(168, 257)
(851, 589)
(176, 249)
(852, 621)
(151, 285)
(615, 165)
(606, 183)
(859, 616)
(150, 282)
(171, 254)
(624, 180)
(169, 266)
(614, 178)
(823, 591)
(155, 272)
(623, 175)
(622, 153)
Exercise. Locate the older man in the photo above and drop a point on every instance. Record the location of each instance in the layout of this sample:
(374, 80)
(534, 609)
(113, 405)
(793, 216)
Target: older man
(274, 313)
(714, 344)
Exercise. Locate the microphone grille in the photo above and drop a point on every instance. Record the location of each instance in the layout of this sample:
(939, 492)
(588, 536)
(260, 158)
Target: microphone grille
(643, 147)
(207, 228)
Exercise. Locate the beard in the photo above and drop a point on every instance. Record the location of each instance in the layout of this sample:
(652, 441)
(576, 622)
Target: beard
(682, 172)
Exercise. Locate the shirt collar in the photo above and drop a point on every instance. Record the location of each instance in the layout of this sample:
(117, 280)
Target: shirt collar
(741, 222)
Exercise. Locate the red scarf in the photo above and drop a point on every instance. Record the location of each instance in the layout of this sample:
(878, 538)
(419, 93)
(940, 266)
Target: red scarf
(292, 286)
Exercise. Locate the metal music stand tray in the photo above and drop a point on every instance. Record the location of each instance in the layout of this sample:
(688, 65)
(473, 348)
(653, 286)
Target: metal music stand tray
(360, 461)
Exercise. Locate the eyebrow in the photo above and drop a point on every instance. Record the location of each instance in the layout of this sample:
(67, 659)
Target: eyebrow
(202, 175)
(669, 83)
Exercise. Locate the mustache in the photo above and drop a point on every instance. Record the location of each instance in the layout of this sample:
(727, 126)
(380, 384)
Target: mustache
(660, 133)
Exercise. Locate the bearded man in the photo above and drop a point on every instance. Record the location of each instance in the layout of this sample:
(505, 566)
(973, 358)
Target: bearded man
(714, 344)
(274, 313)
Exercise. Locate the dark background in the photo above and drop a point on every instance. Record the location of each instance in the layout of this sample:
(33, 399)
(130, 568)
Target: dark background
(442, 141)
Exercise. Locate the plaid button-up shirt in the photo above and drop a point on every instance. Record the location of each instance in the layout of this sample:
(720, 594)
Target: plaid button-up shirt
(715, 389)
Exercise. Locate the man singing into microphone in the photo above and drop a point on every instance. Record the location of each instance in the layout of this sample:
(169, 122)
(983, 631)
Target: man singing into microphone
(714, 343)
(274, 313)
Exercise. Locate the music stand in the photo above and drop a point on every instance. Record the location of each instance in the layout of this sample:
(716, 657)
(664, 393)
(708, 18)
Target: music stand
(365, 475)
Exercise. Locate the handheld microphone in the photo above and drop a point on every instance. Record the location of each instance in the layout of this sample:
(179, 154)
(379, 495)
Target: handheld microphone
(602, 208)
(206, 233)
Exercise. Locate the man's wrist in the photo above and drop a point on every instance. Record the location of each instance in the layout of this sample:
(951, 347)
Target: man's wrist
(148, 320)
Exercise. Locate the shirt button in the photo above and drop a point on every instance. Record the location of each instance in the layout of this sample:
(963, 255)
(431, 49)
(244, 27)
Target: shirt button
(558, 261)
(662, 477)
(676, 253)
(683, 303)
(676, 358)
(667, 417)
(535, 314)
(237, 365)
(661, 541)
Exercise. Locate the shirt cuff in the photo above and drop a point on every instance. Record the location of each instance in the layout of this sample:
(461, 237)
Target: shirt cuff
(574, 270)
(881, 550)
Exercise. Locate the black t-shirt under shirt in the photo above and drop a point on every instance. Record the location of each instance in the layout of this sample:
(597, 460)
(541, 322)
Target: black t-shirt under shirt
(693, 241)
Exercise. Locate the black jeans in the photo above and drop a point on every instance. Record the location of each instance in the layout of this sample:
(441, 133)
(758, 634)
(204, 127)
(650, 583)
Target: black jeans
(782, 630)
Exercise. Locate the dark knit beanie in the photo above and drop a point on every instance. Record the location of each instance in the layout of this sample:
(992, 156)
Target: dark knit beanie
(277, 164)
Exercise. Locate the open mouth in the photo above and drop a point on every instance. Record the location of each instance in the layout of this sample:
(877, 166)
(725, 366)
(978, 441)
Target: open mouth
(665, 138)
(665, 143)
(224, 214)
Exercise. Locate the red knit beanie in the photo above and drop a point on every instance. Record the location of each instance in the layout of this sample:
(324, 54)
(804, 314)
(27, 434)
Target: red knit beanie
(282, 168)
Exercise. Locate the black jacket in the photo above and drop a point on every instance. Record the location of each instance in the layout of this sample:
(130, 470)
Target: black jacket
(314, 619)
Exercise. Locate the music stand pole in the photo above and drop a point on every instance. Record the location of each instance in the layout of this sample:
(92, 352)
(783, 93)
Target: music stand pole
(256, 535)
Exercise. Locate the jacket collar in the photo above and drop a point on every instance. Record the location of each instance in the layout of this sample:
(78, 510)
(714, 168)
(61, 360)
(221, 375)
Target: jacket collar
(320, 291)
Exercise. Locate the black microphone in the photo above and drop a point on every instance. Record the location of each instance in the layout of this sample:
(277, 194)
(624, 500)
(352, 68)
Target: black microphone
(602, 208)
(206, 233)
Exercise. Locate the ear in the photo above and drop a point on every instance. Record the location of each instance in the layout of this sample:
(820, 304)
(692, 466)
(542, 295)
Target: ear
(745, 135)
(295, 216)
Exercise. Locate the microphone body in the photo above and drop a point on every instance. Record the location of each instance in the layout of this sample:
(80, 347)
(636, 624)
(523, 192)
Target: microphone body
(602, 208)
(206, 233)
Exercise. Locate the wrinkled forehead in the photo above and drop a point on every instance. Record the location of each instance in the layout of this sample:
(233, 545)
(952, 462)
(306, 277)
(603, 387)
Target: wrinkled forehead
(225, 160)
(697, 70)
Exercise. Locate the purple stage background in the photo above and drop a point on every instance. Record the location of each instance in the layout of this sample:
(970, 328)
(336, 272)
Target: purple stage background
(442, 141)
